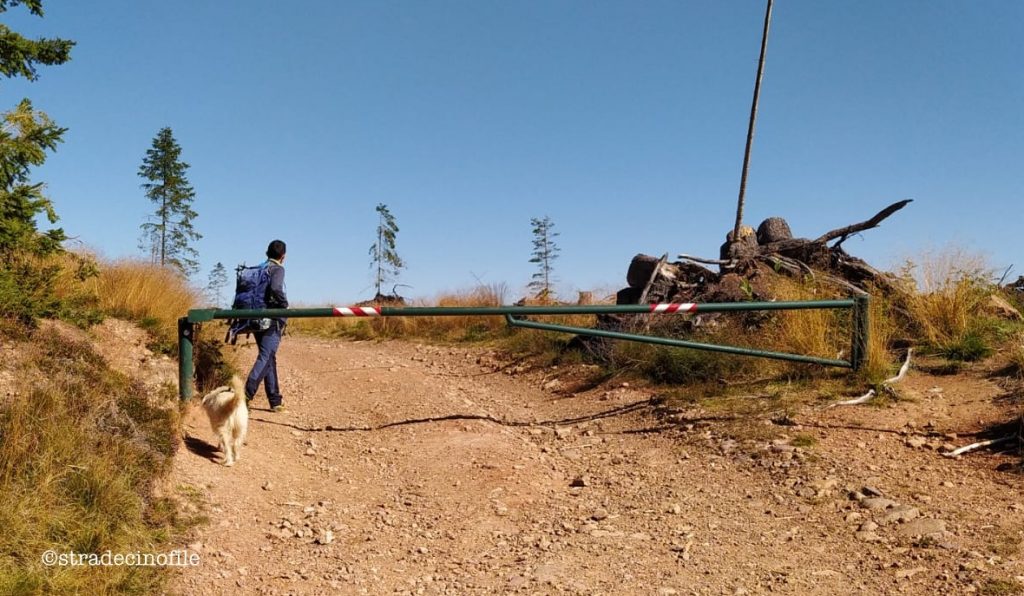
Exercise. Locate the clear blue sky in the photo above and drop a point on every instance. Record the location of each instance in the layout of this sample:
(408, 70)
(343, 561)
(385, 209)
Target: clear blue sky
(622, 121)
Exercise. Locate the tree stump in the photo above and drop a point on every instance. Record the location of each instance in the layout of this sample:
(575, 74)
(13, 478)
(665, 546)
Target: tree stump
(773, 229)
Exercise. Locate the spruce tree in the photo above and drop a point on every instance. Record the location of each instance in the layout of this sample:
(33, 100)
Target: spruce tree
(384, 259)
(27, 277)
(216, 284)
(25, 138)
(545, 251)
(169, 234)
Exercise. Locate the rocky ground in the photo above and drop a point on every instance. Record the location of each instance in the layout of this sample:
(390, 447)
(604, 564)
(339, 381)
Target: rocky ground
(405, 468)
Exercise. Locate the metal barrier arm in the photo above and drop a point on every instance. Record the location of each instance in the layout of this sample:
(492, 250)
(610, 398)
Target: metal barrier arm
(677, 343)
(859, 305)
(204, 315)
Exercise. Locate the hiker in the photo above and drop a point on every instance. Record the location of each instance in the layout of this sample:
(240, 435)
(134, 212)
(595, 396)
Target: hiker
(269, 339)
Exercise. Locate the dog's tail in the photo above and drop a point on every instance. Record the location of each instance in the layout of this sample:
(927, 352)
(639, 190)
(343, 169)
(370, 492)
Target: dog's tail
(238, 388)
(226, 397)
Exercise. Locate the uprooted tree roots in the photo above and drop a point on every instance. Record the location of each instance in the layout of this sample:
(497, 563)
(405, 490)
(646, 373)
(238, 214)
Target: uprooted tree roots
(747, 268)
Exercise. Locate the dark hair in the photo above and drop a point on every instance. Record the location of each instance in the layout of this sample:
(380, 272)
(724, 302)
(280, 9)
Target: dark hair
(276, 250)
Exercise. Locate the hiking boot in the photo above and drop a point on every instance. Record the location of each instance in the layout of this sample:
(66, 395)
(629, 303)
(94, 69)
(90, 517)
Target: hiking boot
(279, 408)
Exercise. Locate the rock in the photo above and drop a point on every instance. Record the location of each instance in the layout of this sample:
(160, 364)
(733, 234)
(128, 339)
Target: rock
(868, 526)
(868, 537)
(806, 492)
(268, 486)
(871, 491)
(325, 537)
(311, 452)
(923, 527)
(600, 514)
(946, 484)
(853, 517)
(909, 573)
(900, 514)
(563, 432)
(579, 482)
(877, 504)
(916, 442)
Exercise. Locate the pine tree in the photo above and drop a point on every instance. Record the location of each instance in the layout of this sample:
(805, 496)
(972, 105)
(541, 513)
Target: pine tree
(216, 284)
(25, 138)
(384, 259)
(545, 251)
(170, 233)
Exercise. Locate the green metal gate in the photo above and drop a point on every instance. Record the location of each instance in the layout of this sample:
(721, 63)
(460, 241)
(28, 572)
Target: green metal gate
(858, 342)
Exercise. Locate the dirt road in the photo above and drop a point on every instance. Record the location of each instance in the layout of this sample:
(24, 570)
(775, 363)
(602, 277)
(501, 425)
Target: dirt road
(471, 480)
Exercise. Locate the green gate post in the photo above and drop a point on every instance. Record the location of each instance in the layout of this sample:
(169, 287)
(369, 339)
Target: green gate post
(186, 333)
(861, 330)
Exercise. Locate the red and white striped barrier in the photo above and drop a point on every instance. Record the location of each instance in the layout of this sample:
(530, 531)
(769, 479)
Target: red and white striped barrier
(669, 308)
(357, 311)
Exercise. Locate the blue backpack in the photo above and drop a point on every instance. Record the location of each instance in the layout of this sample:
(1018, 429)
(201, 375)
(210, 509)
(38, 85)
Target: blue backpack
(251, 284)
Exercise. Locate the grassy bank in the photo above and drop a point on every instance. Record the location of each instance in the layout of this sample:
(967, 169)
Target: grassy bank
(83, 448)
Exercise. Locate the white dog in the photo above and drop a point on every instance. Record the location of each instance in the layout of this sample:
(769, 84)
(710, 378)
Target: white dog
(229, 417)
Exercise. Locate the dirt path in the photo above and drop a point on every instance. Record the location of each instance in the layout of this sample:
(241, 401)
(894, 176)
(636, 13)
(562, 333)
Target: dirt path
(612, 499)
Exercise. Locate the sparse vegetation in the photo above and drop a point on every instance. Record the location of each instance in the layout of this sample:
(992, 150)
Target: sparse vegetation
(1001, 587)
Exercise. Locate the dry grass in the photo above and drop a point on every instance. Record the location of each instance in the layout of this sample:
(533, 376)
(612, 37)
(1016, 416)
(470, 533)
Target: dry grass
(441, 328)
(143, 292)
(80, 450)
(818, 332)
(944, 297)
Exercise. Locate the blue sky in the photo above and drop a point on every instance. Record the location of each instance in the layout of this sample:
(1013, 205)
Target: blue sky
(622, 121)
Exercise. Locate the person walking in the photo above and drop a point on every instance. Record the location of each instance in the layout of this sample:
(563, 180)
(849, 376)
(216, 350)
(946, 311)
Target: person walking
(264, 370)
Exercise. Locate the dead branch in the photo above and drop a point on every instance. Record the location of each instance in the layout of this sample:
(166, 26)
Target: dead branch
(722, 262)
(864, 225)
(885, 385)
(978, 445)
(857, 400)
(903, 370)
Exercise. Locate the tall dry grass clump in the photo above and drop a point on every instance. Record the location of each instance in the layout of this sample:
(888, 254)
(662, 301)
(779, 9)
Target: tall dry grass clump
(143, 292)
(944, 296)
(818, 332)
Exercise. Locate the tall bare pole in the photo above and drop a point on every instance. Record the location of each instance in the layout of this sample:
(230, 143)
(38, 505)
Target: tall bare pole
(750, 128)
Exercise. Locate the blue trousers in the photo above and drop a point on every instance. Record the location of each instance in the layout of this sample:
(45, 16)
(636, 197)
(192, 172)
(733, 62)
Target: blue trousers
(265, 369)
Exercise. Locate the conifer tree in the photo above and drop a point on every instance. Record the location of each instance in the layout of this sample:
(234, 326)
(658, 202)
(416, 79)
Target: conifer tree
(545, 251)
(169, 234)
(25, 137)
(216, 284)
(384, 259)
